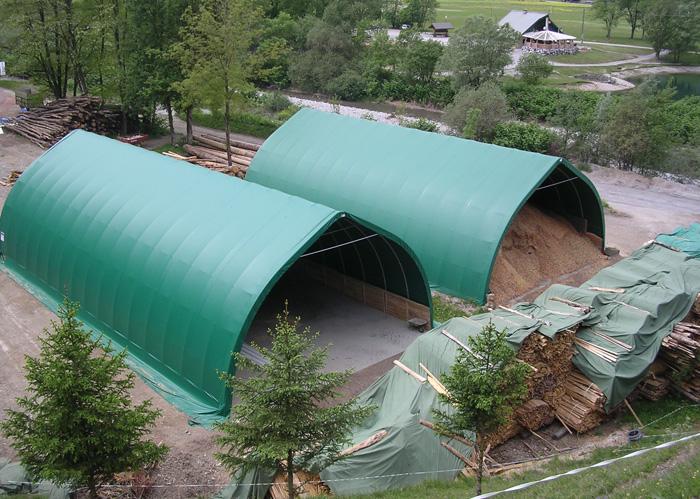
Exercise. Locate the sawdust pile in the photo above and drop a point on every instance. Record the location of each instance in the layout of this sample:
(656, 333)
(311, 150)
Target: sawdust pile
(540, 249)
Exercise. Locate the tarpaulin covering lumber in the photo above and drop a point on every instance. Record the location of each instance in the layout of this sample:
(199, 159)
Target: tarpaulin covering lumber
(450, 199)
(172, 261)
(686, 239)
(637, 301)
(14, 481)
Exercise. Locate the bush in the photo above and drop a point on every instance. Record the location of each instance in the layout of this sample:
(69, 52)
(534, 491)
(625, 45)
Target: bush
(533, 68)
(349, 86)
(439, 92)
(532, 101)
(420, 124)
(684, 117)
(476, 112)
(683, 160)
(524, 136)
(274, 102)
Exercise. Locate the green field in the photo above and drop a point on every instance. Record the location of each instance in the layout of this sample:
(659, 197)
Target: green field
(567, 16)
(602, 53)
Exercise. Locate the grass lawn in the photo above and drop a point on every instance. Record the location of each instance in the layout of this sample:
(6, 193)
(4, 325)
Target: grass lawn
(601, 53)
(567, 16)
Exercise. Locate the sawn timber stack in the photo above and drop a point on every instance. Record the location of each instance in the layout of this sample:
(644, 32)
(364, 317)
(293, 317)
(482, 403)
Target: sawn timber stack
(209, 151)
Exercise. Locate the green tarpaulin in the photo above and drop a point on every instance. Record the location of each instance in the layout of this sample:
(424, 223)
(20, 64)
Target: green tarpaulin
(686, 239)
(659, 286)
(172, 261)
(14, 481)
(451, 200)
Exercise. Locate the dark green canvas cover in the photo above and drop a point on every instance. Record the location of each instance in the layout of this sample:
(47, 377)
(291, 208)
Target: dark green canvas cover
(686, 239)
(451, 200)
(170, 260)
(659, 286)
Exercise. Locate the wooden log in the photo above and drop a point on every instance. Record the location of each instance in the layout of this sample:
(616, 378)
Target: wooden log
(409, 371)
(368, 442)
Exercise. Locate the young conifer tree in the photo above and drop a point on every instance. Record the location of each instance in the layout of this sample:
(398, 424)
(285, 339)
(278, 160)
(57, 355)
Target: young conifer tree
(484, 386)
(77, 426)
(284, 418)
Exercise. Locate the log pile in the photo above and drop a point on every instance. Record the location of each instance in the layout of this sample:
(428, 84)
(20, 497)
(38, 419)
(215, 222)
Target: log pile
(46, 125)
(581, 406)
(681, 352)
(305, 484)
(534, 414)
(11, 178)
(552, 360)
(209, 151)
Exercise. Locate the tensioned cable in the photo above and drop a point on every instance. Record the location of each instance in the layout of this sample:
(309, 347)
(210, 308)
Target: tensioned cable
(338, 246)
(557, 183)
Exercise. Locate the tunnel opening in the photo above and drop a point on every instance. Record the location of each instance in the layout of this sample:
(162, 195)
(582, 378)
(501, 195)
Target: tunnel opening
(361, 291)
(555, 237)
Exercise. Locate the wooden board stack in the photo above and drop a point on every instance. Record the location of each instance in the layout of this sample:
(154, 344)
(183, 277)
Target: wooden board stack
(11, 178)
(210, 152)
(581, 406)
(46, 125)
(681, 352)
(534, 414)
(552, 360)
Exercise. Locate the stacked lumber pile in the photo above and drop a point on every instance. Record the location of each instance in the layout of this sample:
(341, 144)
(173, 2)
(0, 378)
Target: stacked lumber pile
(681, 352)
(656, 385)
(209, 151)
(552, 360)
(581, 406)
(534, 414)
(11, 178)
(46, 125)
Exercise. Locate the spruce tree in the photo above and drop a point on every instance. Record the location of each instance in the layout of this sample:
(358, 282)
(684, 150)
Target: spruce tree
(484, 386)
(77, 426)
(284, 419)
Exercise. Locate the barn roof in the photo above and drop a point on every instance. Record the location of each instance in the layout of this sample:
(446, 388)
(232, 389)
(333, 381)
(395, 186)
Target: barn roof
(522, 20)
(441, 26)
(449, 199)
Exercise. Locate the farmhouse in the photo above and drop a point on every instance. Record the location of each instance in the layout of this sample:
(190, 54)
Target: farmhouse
(538, 32)
(524, 21)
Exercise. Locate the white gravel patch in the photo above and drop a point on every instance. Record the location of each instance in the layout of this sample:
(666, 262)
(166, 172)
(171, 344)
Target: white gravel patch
(357, 112)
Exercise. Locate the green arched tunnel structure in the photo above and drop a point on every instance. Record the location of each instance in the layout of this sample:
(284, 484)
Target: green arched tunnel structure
(450, 200)
(173, 261)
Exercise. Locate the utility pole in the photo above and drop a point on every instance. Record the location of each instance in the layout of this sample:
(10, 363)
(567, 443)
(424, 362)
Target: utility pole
(583, 22)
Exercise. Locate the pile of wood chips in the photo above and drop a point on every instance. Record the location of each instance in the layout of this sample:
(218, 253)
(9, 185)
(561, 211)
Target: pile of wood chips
(580, 408)
(209, 151)
(46, 125)
(681, 352)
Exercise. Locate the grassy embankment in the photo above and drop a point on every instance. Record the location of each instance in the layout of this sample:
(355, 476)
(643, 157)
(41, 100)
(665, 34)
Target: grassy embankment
(673, 472)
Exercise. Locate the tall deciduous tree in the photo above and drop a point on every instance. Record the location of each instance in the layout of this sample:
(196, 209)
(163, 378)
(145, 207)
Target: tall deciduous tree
(607, 11)
(477, 112)
(218, 39)
(284, 419)
(76, 426)
(673, 25)
(478, 52)
(484, 386)
(633, 11)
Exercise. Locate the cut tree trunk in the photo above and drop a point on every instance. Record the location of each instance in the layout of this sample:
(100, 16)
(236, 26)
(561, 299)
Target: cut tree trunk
(189, 133)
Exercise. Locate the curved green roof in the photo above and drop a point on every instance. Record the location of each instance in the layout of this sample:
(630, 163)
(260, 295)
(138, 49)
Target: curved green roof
(450, 199)
(167, 259)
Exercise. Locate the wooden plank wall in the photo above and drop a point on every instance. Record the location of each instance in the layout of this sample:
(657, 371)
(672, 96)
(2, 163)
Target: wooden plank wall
(372, 296)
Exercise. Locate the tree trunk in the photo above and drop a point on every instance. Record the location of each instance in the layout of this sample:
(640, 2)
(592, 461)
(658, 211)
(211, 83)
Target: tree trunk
(227, 115)
(290, 471)
(171, 126)
(479, 466)
(188, 138)
(123, 127)
(92, 488)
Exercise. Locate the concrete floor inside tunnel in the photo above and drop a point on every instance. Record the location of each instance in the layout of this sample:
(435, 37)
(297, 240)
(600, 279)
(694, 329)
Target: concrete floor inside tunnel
(359, 336)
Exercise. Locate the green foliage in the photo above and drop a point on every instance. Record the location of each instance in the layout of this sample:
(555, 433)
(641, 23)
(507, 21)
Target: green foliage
(476, 112)
(269, 64)
(485, 385)
(532, 101)
(534, 68)
(247, 123)
(418, 13)
(349, 85)
(609, 12)
(524, 136)
(478, 52)
(420, 124)
(684, 120)
(635, 130)
(274, 102)
(673, 25)
(416, 58)
(76, 426)
(445, 308)
(576, 116)
(682, 160)
(284, 419)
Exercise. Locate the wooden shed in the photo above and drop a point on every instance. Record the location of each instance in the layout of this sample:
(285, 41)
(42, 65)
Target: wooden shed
(441, 29)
